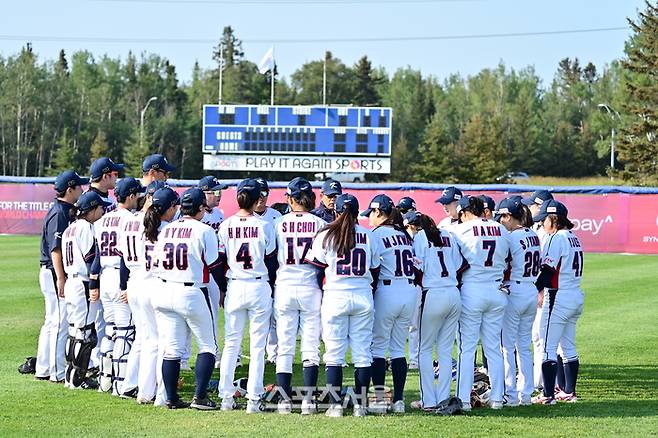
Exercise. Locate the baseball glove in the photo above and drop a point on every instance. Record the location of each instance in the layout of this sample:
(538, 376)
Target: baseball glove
(449, 406)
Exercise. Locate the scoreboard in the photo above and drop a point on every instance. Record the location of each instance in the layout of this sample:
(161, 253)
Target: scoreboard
(297, 130)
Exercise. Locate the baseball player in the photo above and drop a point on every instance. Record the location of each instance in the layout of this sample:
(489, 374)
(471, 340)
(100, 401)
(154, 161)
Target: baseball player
(187, 251)
(489, 206)
(297, 294)
(268, 214)
(394, 300)
(438, 263)
(534, 203)
(155, 168)
(406, 205)
(522, 301)
(485, 246)
(104, 175)
(450, 199)
(560, 278)
(79, 246)
(248, 245)
(52, 337)
(326, 210)
(346, 251)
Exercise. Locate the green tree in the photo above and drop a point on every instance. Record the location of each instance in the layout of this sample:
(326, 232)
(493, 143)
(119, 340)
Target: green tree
(307, 82)
(365, 84)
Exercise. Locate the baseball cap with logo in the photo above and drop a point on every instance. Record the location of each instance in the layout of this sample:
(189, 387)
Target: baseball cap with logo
(551, 207)
(381, 202)
(250, 186)
(155, 186)
(90, 200)
(412, 217)
(128, 186)
(69, 178)
(102, 166)
(332, 187)
(262, 182)
(406, 204)
(192, 198)
(488, 202)
(347, 202)
(538, 197)
(464, 203)
(511, 205)
(157, 162)
(298, 186)
(165, 198)
(449, 195)
(209, 183)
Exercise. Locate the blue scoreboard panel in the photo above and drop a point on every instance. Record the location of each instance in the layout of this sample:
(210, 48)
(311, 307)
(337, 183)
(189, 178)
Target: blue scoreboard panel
(322, 130)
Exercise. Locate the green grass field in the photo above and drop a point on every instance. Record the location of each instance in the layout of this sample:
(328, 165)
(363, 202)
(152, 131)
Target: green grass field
(618, 387)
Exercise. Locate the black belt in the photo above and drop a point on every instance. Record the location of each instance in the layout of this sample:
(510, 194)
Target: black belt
(388, 282)
(257, 278)
(188, 284)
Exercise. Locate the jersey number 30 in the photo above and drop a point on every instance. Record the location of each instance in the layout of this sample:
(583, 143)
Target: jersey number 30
(175, 256)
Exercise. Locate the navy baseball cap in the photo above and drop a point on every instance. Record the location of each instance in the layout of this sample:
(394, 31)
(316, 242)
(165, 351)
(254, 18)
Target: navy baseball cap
(347, 202)
(157, 162)
(128, 186)
(262, 182)
(464, 203)
(165, 198)
(192, 198)
(69, 178)
(250, 186)
(208, 183)
(551, 207)
(412, 217)
(405, 204)
(449, 195)
(488, 202)
(298, 186)
(511, 205)
(102, 166)
(90, 200)
(155, 186)
(331, 187)
(382, 202)
(538, 197)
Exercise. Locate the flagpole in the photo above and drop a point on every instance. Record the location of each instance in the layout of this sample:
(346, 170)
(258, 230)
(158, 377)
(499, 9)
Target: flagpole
(272, 78)
(221, 69)
(324, 80)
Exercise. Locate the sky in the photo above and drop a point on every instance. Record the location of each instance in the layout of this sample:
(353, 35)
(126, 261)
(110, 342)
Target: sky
(429, 35)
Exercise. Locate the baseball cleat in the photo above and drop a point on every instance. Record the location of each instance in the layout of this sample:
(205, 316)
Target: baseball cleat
(495, 404)
(335, 411)
(359, 411)
(412, 366)
(145, 401)
(526, 401)
(203, 404)
(185, 365)
(378, 407)
(398, 407)
(566, 397)
(29, 366)
(178, 404)
(416, 404)
(543, 400)
(255, 407)
(284, 407)
(132, 393)
(309, 407)
(510, 402)
(43, 378)
(466, 407)
(86, 384)
(228, 404)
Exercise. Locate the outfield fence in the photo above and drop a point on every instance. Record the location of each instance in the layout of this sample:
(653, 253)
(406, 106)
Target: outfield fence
(607, 218)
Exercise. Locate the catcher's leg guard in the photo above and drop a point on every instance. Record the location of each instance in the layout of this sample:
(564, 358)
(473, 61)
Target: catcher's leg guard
(125, 336)
(82, 346)
(107, 346)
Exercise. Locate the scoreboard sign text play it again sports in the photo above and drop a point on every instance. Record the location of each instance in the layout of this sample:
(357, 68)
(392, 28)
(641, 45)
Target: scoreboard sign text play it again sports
(297, 138)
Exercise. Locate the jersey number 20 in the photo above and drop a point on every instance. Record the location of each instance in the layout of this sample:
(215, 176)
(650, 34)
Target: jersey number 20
(353, 262)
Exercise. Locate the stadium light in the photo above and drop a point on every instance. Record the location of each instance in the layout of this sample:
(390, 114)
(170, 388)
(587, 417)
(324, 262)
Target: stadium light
(141, 121)
(613, 114)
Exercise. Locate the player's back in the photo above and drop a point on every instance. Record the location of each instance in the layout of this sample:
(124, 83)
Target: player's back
(132, 244)
(439, 264)
(246, 240)
(396, 253)
(525, 249)
(184, 250)
(213, 218)
(107, 230)
(485, 246)
(294, 235)
(78, 248)
(564, 252)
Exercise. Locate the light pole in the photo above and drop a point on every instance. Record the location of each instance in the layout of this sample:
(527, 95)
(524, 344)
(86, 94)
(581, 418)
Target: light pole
(141, 121)
(612, 114)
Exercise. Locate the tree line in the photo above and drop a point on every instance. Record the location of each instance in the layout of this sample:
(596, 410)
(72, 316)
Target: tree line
(64, 113)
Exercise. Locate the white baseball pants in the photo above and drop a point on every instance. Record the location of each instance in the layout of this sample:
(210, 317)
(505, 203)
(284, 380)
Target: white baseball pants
(414, 340)
(562, 308)
(51, 349)
(394, 308)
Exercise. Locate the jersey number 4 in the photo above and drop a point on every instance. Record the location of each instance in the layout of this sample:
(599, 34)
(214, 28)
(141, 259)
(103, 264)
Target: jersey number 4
(301, 241)
(243, 256)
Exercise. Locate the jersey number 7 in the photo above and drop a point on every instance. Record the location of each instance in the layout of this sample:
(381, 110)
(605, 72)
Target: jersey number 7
(489, 245)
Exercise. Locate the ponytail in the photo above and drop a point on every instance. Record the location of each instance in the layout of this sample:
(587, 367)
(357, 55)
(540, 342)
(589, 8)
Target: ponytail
(396, 220)
(341, 234)
(431, 231)
(306, 200)
(526, 217)
(475, 206)
(152, 222)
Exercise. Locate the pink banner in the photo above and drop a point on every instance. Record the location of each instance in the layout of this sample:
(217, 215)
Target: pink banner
(604, 223)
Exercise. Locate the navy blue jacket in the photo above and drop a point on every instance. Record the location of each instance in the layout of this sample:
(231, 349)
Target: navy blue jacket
(324, 213)
(56, 221)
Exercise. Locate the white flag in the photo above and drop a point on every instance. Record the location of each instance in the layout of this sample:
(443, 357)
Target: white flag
(267, 63)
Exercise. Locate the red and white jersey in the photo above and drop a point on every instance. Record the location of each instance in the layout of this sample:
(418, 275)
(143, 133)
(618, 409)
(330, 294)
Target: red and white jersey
(269, 215)
(396, 253)
(439, 265)
(563, 252)
(78, 248)
(136, 251)
(294, 238)
(485, 246)
(352, 270)
(213, 218)
(525, 248)
(185, 250)
(246, 241)
(108, 229)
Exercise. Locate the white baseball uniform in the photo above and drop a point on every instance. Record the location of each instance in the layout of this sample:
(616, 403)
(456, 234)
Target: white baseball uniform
(246, 241)
(439, 314)
(297, 295)
(485, 246)
(537, 340)
(447, 223)
(347, 310)
(520, 313)
(212, 218)
(78, 249)
(119, 327)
